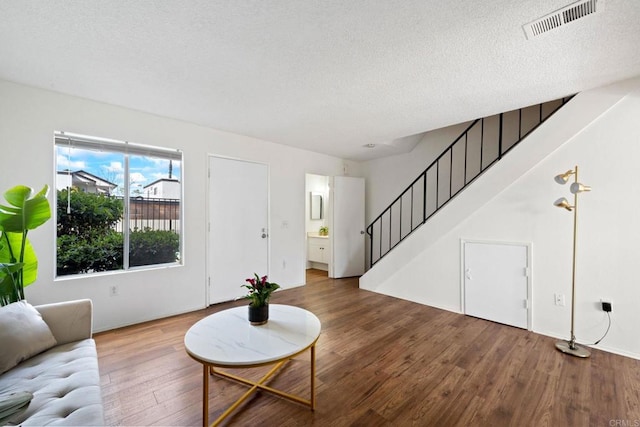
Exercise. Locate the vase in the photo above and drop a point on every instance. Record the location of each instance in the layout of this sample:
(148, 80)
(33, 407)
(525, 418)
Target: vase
(258, 315)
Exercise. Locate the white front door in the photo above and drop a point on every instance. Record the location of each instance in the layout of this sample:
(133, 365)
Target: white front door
(496, 282)
(347, 229)
(238, 225)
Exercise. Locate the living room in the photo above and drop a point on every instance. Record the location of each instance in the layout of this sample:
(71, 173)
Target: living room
(38, 97)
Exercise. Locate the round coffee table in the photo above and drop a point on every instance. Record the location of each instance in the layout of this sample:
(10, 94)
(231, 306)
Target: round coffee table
(227, 340)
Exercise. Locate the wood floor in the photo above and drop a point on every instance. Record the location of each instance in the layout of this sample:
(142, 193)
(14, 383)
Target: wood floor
(381, 361)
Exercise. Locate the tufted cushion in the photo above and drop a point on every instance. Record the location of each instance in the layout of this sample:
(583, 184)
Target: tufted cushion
(23, 334)
(65, 384)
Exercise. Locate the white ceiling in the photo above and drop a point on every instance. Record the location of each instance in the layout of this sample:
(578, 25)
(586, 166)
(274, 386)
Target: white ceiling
(328, 76)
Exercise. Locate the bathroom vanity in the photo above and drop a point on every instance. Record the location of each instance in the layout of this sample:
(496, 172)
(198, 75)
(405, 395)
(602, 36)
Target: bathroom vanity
(318, 251)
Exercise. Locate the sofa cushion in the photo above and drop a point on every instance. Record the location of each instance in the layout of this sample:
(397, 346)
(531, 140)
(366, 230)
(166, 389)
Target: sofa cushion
(65, 384)
(23, 334)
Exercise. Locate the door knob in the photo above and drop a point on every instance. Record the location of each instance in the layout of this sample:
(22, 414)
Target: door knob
(264, 233)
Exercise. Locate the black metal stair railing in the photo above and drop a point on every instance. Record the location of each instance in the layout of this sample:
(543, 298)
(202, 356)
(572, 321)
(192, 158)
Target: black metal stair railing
(483, 143)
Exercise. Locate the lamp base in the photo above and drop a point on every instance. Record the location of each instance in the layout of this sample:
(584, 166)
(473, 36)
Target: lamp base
(573, 349)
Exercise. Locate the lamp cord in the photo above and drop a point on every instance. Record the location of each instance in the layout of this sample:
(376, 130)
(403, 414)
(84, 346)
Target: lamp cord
(606, 332)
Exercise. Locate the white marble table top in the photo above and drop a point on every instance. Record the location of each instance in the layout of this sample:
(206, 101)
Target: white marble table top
(228, 339)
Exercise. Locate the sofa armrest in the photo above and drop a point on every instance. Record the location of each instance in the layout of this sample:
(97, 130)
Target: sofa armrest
(69, 321)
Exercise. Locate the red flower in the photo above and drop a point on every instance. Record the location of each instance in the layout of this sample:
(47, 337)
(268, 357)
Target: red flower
(259, 290)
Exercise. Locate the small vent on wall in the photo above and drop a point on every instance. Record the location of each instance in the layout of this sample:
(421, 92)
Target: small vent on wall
(563, 16)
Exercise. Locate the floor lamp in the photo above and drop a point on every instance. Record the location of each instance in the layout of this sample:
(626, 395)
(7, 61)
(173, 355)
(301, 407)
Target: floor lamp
(570, 347)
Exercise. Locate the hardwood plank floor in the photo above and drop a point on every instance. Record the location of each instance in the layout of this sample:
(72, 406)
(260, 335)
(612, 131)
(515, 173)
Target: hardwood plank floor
(381, 361)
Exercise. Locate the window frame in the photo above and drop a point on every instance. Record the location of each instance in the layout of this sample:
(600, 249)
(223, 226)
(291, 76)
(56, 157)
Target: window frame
(126, 149)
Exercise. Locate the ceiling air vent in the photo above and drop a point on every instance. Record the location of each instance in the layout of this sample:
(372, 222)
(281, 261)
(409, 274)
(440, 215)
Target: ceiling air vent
(563, 16)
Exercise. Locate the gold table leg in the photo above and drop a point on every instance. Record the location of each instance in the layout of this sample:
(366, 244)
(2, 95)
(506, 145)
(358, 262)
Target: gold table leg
(313, 378)
(248, 393)
(259, 385)
(205, 397)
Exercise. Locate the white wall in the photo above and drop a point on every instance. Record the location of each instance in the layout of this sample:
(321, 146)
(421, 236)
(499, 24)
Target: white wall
(599, 131)
(28, 118)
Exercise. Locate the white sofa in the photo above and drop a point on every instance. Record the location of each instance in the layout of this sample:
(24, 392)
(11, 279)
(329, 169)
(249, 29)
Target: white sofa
(63, 379)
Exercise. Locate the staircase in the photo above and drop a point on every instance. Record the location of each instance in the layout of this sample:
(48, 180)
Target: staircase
(484, 142)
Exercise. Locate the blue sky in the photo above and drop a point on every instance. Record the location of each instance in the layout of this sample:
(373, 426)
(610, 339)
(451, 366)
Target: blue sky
(143, 170)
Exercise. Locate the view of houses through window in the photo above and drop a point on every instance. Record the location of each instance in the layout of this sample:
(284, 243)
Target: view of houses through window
(118, 205)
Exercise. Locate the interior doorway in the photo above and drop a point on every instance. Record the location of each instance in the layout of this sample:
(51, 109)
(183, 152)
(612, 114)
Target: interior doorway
(318, 235)
(334, 233)
(238, 241)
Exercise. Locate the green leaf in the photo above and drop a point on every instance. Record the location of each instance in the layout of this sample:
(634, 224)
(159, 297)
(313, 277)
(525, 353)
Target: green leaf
(27, 211)
(9, 290)
(30, 261)
(10, 267)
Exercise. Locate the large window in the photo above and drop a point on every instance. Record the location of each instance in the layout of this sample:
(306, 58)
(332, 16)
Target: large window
(119, 205)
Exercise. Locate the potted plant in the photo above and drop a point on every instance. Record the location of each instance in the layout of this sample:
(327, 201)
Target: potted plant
(259, 293)
(25, 211)
(324, 231)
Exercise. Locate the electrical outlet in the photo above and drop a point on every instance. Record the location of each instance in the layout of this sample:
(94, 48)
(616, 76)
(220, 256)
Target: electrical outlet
(113, 290)
(559, 298)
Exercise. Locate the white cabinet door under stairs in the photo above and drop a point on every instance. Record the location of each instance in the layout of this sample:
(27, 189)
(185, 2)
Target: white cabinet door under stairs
(496, 282)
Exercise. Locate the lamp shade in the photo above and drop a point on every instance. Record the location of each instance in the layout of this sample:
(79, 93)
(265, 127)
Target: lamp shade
(577, 187)
(564, 177)
(563, 203)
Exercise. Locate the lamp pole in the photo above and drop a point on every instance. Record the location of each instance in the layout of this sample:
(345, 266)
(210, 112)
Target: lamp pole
(572, 343)
(570, 347)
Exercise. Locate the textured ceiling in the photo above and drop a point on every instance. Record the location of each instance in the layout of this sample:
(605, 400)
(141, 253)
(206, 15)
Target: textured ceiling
(328, 76)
